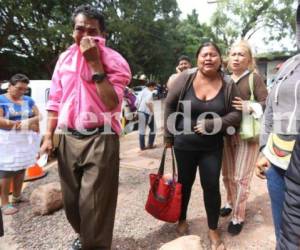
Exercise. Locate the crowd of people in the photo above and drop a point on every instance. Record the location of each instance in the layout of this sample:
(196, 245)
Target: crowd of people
(205, 111)
(191, 134)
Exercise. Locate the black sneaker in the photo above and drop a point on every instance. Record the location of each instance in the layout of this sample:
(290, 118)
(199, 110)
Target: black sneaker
(225, 211)
(76, 245)
(235, 229)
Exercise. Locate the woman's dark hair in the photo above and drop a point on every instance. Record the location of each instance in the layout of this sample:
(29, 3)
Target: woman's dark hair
(18, 78)
(91, 13)
(212, 44)
(208, 44)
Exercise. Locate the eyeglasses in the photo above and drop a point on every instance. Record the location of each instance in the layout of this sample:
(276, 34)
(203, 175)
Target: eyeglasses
(20, 89)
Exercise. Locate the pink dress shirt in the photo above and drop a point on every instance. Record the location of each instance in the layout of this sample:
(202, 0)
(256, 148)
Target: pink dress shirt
(74, 96)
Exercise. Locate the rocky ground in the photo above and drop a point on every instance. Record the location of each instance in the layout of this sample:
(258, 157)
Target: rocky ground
(134, 228)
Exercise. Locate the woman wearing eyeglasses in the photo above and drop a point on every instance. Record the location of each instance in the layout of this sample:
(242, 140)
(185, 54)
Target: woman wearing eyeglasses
(19, 140)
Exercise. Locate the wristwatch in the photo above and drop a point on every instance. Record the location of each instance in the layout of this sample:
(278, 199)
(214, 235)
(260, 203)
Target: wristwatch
(98, 77)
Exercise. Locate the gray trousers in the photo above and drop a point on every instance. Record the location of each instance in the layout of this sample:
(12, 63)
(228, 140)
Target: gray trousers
(89, 174)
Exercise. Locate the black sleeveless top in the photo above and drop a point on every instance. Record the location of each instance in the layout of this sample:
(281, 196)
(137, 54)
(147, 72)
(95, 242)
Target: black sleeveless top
(194, 109)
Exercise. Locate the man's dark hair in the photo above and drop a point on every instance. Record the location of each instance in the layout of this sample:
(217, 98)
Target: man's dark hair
(185, 58)
(150, 84)
(90, 12)
(18, 78)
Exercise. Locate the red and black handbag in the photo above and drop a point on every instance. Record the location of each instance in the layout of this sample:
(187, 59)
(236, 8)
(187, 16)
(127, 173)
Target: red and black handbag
(164, 198)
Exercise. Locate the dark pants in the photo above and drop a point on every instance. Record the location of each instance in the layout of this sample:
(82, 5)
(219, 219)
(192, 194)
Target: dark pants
(290, 227)
(89, 174)
(209, 164)
(1, 224)
(144, 121)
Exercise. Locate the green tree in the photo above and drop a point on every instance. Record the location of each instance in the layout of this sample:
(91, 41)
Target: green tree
(144, 32)
(242, 19)
(34, 33)
(192, 33)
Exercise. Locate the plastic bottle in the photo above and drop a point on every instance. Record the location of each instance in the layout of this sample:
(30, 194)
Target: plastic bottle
(168, 179)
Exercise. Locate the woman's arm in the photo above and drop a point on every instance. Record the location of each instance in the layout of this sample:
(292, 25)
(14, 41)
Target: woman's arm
(169, 121)
(260, 90)
(33, 122)
(231, 119)
(7, 124)
(171, 103)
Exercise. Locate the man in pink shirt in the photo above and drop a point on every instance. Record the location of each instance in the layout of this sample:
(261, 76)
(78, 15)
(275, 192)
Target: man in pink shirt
(85, 103)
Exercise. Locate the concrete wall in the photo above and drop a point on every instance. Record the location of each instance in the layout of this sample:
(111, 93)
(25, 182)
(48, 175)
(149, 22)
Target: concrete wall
(268, 70)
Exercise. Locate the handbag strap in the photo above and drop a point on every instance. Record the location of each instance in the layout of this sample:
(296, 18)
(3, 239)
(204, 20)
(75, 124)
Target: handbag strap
(174, 173)
(162, 163)
(251, 86)
(161, 168)
(160, 174)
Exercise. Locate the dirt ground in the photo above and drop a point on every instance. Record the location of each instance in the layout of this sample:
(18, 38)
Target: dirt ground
(134, 228)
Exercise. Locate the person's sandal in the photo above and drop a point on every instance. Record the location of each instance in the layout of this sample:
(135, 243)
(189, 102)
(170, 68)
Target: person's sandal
(217, 245)
(19, 199)
(76, 245)
(182, 228)
(225, 211)
(235, 229)
(9, 209)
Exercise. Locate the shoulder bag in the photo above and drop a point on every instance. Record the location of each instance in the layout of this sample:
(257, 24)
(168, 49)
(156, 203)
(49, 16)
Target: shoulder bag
(250, 127)
(164, 198)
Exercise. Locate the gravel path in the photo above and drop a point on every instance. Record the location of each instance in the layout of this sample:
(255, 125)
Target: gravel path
(134, 228)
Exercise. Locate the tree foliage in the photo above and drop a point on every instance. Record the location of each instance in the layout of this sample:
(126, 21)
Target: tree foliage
(148, 33)
(192, 33)
(144, 32)
(34, 33)
(242, 19)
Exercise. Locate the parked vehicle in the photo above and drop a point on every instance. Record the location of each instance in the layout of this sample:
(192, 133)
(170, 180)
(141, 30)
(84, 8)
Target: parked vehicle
(39, 92)
(159, 92)
(137, 89)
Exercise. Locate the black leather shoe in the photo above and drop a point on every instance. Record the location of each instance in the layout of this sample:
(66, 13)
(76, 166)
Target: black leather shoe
(225, 211)
(76, 245)
(235, 229)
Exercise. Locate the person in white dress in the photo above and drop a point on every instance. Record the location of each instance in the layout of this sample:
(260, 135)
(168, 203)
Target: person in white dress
(19, 139)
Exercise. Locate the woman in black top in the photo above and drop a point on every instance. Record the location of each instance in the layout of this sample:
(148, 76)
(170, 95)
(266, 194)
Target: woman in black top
(203, 99)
